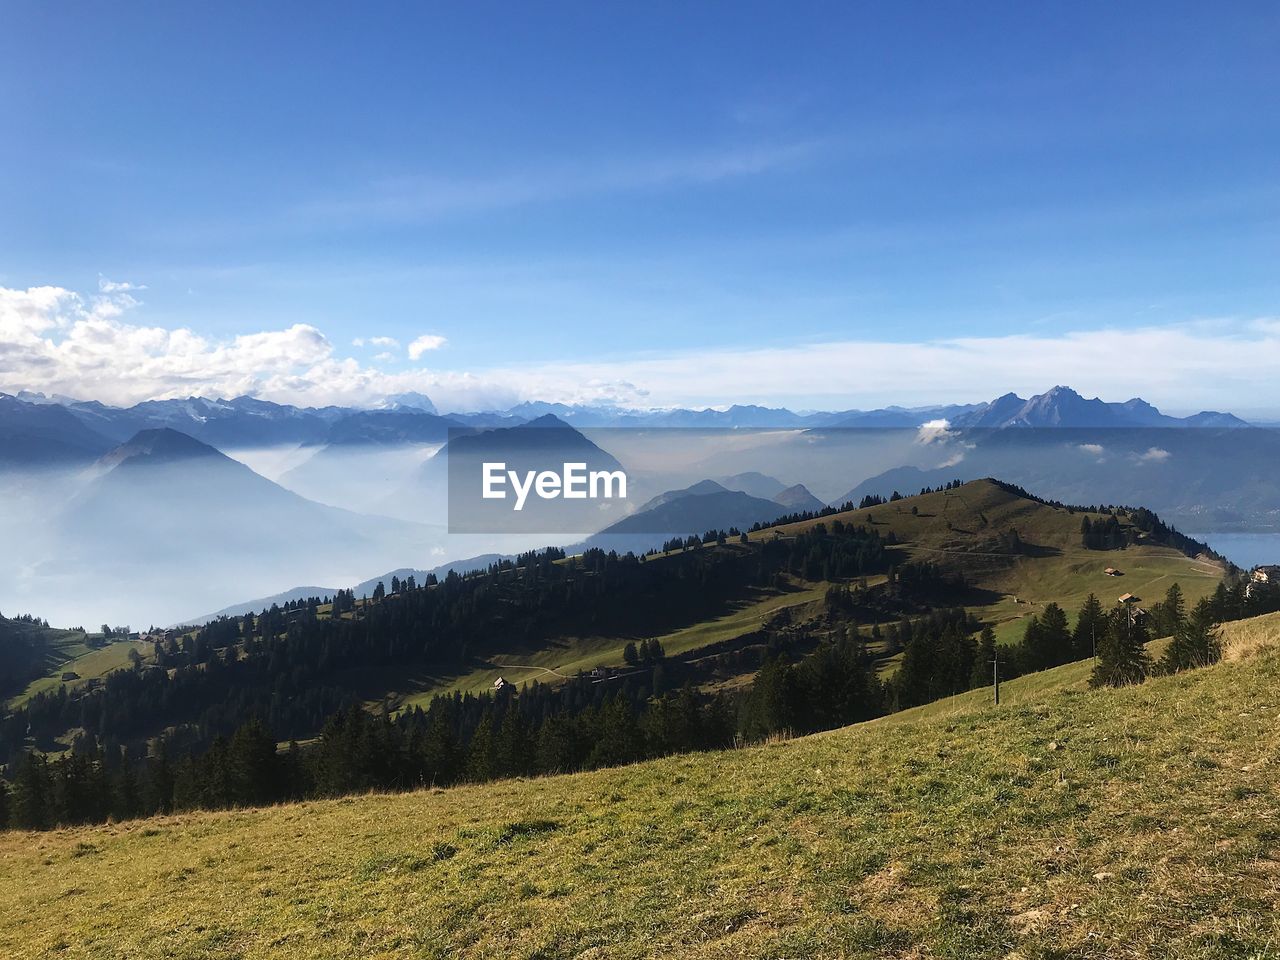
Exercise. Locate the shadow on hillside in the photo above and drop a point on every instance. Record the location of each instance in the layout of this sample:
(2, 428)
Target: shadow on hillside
(1038, 551)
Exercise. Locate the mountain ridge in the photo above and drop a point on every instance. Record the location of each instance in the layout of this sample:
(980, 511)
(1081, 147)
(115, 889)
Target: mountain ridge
(412, 418)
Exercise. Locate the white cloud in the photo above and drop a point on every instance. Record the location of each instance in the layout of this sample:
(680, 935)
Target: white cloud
(1093, 449)
(932, 431)
(113, 286)
(939, 433)
(1178, 368)
(55, 340)
(428, 341)
(384, 342)
(1153, 455)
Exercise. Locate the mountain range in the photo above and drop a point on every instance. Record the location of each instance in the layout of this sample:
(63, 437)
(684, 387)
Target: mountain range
(35, 428)
(1063, 407)
(198, 502)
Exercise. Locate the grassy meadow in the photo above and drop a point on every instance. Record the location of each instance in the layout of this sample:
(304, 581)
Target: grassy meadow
(953, 528)
(87, 662)
(1140, 822)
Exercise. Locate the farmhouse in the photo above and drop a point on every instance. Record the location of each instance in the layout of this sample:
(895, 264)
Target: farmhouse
(1266, 574)
(1113, 572)
(1264, 578)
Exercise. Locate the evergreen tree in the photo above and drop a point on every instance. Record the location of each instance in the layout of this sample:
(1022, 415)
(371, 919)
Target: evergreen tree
(513, 751)
(252, 767)
(1032, 654)
(1170, 614)
(982, 667)
(158, 795)
(1197, 641)
(1091, 623)
(126, 799)
(1046, 641)
(32, 804)
(480, 760)
(773, 703)
(557, 749)
(1122, 652)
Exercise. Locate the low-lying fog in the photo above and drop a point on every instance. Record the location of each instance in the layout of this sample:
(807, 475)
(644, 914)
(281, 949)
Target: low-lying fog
(154, 540)
(154, 543)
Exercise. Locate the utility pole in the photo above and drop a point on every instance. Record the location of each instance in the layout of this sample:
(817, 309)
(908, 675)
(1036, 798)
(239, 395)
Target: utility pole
(995, 674)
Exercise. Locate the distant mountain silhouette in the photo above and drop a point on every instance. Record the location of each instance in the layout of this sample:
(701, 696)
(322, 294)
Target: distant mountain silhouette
(247, 422)
(45, 434)
(391, 427)
(169, 514)
(755, 483)
(1063, 407)
(682, 513)
(798, 499)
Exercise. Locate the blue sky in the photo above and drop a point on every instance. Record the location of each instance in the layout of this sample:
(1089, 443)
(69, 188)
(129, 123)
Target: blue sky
(588, 200)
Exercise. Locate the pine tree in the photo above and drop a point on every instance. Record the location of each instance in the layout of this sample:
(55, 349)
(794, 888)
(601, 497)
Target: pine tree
(773, 703)
(125, 799)
(252, 766)
(1091, 624)
(32, 805)
(1197, 641)
(480, 760)
(159, 791)
(982, 670)
(1122, 652)
(1033, 655)
(1056, 636)
(1171, 614)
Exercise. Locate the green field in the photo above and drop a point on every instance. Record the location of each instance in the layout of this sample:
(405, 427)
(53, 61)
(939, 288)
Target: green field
(1140, 822)
(86, 661)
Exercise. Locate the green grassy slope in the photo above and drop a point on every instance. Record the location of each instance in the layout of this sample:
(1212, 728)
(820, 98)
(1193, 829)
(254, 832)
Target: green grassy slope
(1140, 822)
(86, 662)
(29, 651)
(957, 529)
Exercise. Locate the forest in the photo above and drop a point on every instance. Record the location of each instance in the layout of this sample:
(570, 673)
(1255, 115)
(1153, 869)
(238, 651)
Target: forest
(585, 724)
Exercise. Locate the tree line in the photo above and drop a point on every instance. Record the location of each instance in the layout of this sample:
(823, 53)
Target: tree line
(592, 722)
(290, 666)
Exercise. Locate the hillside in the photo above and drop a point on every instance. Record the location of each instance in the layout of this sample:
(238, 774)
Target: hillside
(964, 531)
(30, 649)
(1138, 822)
(717, 612)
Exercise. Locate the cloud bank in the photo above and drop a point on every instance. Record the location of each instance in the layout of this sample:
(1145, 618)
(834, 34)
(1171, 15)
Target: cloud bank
(55, 340)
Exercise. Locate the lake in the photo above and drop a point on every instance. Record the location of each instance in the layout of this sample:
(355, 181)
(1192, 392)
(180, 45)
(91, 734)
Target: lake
(1244, 549)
